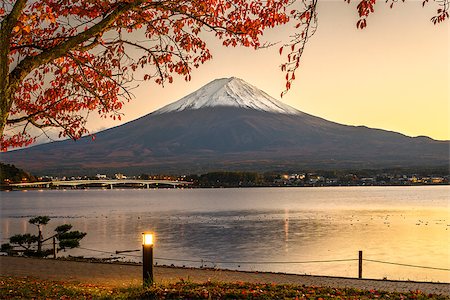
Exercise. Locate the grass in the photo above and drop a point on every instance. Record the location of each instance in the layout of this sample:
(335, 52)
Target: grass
(32, 288)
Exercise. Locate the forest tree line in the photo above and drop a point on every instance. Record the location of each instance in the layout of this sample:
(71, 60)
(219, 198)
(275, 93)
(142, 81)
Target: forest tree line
(12, 174)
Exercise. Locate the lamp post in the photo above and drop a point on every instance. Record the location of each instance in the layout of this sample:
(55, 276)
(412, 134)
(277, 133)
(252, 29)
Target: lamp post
(147, 257)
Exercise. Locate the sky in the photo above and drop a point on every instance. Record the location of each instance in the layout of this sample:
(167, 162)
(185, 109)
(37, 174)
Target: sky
(393, 75)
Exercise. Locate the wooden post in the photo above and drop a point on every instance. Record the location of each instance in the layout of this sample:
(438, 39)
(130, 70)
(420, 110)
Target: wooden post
(360, 265)
(147, 264)
(40, 238)
(54, 247)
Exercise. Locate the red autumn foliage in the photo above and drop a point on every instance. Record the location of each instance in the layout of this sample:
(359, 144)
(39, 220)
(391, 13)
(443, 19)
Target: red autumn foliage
(62, 59)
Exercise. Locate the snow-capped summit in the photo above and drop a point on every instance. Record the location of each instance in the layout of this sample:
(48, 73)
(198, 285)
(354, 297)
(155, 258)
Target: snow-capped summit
(231, 92)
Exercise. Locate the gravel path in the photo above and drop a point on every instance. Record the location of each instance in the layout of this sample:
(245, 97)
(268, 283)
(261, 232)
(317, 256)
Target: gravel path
(121, 275)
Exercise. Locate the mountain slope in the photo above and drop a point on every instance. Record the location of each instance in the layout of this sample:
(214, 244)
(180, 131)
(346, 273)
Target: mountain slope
(229, 92)
(229, 133)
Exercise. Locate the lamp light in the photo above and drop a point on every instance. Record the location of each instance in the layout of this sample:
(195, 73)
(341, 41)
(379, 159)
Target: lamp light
(147, 238)
(147, 257)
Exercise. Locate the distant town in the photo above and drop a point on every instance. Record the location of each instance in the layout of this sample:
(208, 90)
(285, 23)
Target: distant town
(247, 179)
(13, 177)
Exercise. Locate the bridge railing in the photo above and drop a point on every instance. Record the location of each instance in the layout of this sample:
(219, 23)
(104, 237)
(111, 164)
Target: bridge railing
(102, 182)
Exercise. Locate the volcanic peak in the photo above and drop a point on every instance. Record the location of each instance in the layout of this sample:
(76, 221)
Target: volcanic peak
(229, 92)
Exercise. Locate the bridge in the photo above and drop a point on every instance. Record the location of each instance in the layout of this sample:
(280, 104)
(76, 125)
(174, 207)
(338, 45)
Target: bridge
(100, 182)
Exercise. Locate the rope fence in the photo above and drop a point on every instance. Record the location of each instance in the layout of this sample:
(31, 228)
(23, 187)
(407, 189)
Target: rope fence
(202, 261)
(406, 265)
(224, 262)
(260, 262)
(126, 253)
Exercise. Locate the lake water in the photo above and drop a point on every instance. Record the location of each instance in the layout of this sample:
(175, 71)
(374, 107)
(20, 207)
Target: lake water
(263, 229)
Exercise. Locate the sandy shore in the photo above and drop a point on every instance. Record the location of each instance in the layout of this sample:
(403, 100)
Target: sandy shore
(122, 275)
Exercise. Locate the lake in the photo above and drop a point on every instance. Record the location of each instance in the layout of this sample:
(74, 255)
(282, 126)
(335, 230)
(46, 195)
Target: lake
(293, 230)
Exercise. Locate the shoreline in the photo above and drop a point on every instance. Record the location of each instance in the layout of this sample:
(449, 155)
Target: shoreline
(126, 275)
(39, 186)
(94, 260)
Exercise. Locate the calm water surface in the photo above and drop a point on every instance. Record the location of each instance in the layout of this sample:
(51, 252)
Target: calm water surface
(264, 229)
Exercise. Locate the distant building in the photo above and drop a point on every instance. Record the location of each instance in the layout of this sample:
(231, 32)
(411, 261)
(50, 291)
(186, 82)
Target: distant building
(437, 180)
(332, 181)
(368, 180)
(100, 176)
(414, 179)
(120, 176)
(313, 178)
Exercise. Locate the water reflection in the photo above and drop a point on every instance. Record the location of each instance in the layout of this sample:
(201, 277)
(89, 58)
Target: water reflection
(245, 226)
(286, 229)
(223, 236)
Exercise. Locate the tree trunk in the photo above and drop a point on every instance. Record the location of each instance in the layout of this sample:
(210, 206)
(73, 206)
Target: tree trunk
(6, 92)
(5, 100)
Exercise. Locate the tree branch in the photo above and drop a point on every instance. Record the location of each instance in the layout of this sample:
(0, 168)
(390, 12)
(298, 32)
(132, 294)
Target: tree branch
(31, 62)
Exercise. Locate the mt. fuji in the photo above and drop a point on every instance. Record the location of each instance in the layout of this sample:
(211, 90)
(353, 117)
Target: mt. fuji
(229, 92)
(229, 125)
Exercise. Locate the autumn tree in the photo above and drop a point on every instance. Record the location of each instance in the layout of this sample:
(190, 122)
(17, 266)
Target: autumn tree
(62, 59)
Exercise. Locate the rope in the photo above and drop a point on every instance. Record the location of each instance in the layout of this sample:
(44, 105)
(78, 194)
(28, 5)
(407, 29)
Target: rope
(406, 265)
(94, 250)
(256, 262)
(108, 252)
(272, 262)
(229, 262)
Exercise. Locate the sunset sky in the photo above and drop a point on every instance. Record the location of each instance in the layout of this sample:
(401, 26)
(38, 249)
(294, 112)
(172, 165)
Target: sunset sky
(393, 75)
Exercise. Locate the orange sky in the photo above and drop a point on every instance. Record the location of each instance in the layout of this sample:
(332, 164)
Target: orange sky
(393, 75)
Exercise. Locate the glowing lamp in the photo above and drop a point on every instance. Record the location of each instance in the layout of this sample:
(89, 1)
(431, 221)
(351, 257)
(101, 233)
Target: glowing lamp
(147, 238)
(147, 258)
